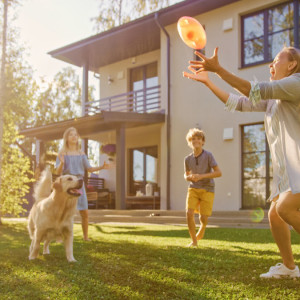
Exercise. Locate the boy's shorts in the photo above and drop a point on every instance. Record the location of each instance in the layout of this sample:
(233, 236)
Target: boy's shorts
(200, 200)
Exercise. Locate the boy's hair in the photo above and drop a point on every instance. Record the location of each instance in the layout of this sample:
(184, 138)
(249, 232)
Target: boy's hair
(195, 132)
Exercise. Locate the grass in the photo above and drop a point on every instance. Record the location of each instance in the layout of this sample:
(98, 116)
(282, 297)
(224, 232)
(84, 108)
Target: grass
(145, 262)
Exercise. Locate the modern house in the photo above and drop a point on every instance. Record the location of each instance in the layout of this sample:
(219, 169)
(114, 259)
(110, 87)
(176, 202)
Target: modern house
(146, 107)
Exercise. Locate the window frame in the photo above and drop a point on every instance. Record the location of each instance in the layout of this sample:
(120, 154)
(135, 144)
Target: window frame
(143, 69)
(131, 190)
(268, 175)
(266, 34)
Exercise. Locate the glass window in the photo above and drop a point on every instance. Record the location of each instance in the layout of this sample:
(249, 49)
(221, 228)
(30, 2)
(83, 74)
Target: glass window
(266, 32)
(256, 167)
(143, 168)
(144, 85)
(253, 38)
(138, 165)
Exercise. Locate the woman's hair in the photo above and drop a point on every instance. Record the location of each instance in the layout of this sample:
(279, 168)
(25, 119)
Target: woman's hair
(65, 146)
(195, 132)
(293, 55)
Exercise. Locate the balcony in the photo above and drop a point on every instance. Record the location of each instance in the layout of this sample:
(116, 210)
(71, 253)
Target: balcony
(141, 101)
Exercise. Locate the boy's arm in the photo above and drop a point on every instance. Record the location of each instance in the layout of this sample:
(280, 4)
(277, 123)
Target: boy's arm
(187, 173)
(188, 176)
(216, 173)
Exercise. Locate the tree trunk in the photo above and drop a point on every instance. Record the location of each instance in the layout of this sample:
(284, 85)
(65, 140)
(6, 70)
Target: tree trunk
(2, 92)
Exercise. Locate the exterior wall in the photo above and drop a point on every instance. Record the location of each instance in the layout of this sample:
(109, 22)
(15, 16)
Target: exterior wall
(120, 73)
(193, 105)
(135, 137)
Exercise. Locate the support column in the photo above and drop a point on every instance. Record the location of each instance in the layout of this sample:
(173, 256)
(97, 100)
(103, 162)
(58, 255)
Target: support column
(39, 163)
(85, 87)
(37, 152)
(84, 148)
(120, 168)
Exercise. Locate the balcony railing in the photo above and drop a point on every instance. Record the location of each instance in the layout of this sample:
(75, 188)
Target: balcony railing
(142, 101)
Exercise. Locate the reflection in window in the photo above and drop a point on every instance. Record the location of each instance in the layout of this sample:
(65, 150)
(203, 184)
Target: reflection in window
(94, 152)
(266, 32)
(138, 165)
(143, 166)
(256, 166)
(144, 84)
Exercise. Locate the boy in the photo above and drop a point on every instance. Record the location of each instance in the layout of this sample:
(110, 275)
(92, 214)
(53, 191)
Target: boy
(200, 169)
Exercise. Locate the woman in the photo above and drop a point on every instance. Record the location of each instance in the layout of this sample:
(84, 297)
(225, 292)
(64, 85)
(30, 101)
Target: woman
(280, 99)
(71, 160)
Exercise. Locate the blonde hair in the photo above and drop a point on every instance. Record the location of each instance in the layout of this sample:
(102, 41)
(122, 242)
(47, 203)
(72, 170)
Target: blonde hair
(194, 132)
(65, 146)
(293, 55)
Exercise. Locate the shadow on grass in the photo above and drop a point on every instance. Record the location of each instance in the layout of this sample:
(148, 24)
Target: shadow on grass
(129, 269)
(244, 235)
(136, 230)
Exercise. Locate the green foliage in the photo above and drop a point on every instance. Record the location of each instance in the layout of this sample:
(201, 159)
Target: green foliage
(17, 89)
(20, 88)
(58, 100)
(145, 262)
(15, 171)
(117, 12)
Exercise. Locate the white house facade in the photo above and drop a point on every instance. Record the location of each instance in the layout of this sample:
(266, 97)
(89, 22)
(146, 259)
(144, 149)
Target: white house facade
(146, 107)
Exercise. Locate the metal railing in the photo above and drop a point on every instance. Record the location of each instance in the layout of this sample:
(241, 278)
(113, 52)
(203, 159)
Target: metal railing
(142, 101)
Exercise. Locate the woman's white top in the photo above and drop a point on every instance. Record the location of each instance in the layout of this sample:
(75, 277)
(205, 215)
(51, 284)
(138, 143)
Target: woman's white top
(280, 100)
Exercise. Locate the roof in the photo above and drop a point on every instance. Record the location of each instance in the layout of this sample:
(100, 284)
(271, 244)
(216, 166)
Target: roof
(131, 39)
(89, 125)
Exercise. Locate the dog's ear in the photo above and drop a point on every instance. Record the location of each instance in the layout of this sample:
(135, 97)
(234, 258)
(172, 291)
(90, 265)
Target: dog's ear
(57, 185)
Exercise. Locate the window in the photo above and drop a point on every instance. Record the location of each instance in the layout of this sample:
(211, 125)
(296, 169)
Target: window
(143, 168)
(144, 84)
(266, 32)
(256, 167)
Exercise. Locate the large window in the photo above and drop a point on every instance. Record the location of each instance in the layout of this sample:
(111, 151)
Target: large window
(264, 33)
(144, 84)
(143, 168)
(256, 167)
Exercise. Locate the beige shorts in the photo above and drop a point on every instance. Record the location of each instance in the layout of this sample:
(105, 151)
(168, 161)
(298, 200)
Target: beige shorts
(200, 200)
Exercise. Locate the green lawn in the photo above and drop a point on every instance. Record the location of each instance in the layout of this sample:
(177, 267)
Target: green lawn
(145, 262)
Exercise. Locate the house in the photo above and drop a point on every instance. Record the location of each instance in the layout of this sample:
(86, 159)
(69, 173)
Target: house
(146, 107)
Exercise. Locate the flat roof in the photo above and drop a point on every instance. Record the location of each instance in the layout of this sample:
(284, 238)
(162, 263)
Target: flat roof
(88, 125)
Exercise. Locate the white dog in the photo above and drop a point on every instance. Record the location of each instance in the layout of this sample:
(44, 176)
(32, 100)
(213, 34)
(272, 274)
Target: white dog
(51, 217)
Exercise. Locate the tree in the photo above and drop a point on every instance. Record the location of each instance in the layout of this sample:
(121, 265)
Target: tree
(59, 100)
(16, 174)
(3, 86)
(15, 102)
(117, 12)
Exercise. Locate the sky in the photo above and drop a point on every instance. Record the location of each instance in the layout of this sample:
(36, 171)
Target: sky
(46, 25)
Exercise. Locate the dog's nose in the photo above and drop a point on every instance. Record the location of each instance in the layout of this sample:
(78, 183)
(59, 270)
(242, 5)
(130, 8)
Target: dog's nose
(80, 181)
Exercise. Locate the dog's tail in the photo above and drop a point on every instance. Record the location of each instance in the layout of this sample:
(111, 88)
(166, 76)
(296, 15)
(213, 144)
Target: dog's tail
(42, 188)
